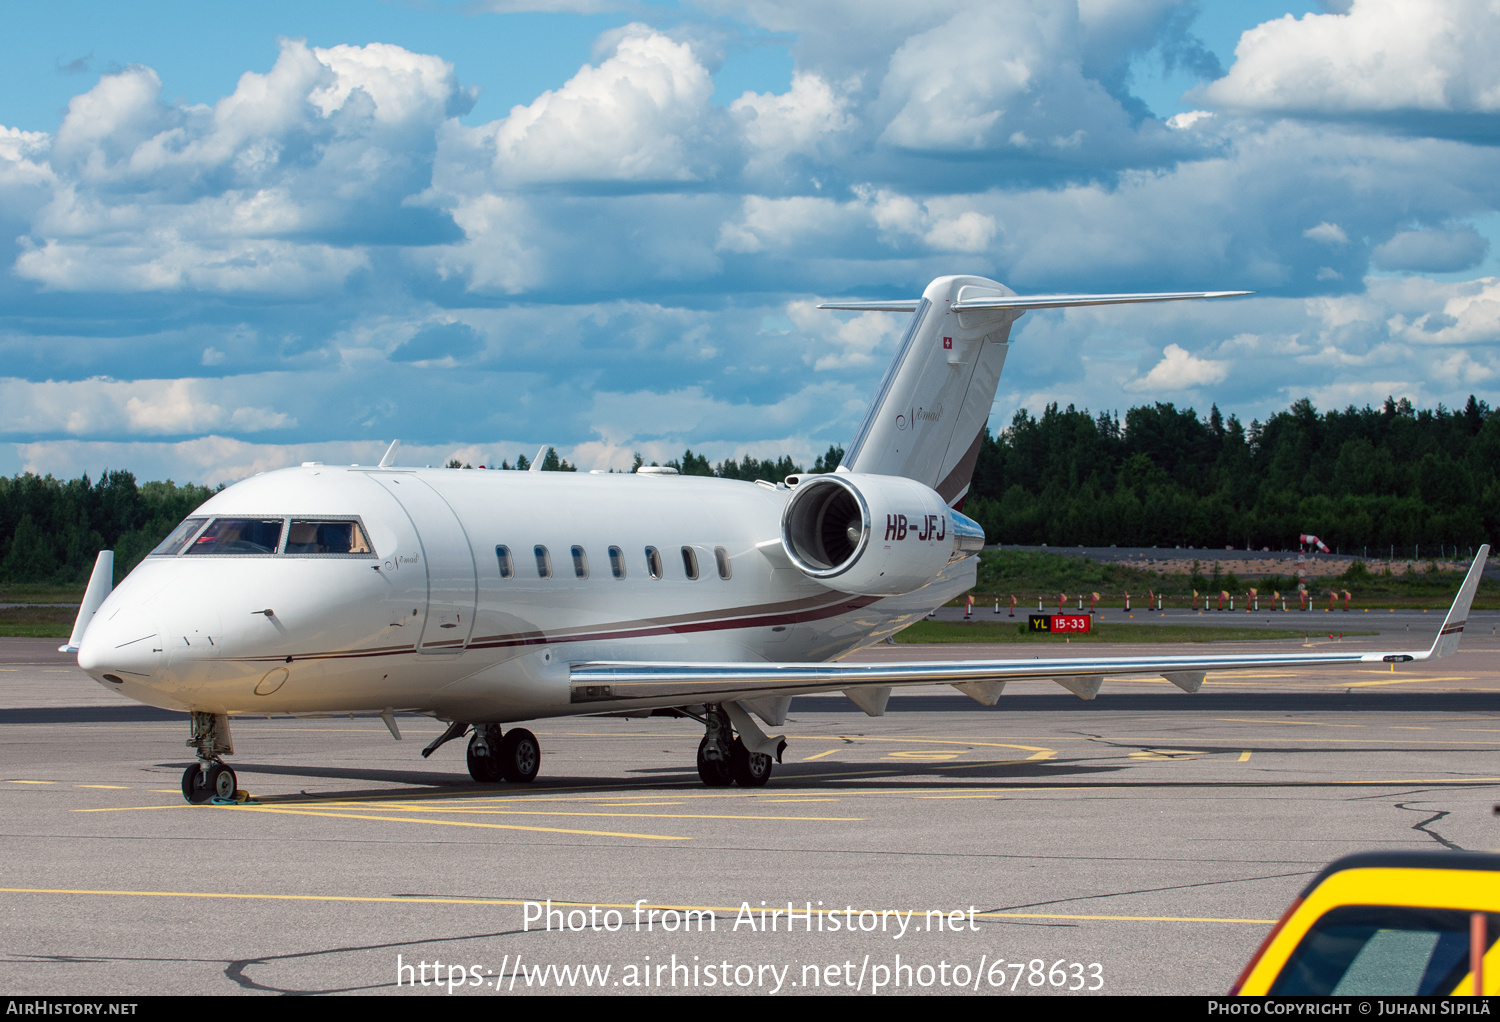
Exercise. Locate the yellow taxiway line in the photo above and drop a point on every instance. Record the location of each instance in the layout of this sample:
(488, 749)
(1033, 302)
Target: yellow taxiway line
(724, 909)
(458, 823)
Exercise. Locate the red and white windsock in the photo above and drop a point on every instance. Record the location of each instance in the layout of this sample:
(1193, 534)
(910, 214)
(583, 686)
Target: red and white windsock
(1307, 541)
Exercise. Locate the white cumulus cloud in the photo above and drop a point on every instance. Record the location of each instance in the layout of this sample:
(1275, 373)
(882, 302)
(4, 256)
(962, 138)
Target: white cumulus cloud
(137, 407)
(1327, 233)
(637, 116)
(260, 192)
(1179, 370)
(1382, 55)
(795, 121)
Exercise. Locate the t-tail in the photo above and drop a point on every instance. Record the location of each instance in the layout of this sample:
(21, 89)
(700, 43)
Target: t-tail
(928, 417)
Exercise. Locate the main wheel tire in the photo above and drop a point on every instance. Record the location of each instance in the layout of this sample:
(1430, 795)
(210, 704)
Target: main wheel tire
(194, 787)
(716, 773)
(519, 756)
(483, 769)
(750, 769)
(221, 782)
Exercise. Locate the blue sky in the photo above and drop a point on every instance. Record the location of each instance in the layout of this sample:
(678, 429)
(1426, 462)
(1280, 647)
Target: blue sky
(237, 236)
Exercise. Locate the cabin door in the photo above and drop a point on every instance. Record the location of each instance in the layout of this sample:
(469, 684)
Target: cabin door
(452, 591)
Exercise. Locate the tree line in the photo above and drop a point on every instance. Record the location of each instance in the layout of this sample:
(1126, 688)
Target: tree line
(1161, 476)
(51, 530)
(1374, 478)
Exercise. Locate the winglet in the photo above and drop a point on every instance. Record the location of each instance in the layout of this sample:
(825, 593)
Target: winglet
(389, 458)
(536, 463)
(1458, 614)
(100, 584)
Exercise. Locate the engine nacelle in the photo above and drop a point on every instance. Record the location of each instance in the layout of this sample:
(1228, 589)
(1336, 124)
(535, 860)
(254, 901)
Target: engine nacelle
(873, 535)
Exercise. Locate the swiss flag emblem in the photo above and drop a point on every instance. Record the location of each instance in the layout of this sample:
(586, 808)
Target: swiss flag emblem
(948, 342)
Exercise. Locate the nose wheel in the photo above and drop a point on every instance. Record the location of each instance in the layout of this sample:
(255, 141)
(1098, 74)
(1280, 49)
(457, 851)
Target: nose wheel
(202, 782)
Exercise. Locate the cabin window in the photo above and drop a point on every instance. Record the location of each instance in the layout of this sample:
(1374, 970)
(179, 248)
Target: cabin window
(180, 537)
(507, 567)
(617, 562)
(239, 536)
(323, 537)
(690, 563)
(543, 561)
(580, 562)
(721, 558)
(653, 562)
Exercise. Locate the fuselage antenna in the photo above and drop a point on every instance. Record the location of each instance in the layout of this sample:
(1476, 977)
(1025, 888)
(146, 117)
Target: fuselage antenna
(389, 458)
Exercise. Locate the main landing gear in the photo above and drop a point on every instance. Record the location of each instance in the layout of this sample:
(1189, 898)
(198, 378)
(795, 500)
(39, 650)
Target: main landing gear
(723, 758)
(209, 778)
(514, 756)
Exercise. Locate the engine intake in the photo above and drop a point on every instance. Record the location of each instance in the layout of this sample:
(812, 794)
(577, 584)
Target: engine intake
(873, 535)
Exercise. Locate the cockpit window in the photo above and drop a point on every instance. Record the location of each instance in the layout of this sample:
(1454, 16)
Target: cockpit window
(239, 536)
(180, 537)
(322, 537)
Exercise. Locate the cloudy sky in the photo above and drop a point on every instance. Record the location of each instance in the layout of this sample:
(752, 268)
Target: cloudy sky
(238, 236)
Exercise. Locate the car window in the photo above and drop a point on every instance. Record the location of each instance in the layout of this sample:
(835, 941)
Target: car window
(1364, 949)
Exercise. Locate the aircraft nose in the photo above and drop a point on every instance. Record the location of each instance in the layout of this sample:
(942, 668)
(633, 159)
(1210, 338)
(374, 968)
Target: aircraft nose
(122, 648)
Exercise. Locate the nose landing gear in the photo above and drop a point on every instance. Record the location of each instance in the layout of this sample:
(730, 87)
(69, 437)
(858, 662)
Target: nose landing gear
(210, 777)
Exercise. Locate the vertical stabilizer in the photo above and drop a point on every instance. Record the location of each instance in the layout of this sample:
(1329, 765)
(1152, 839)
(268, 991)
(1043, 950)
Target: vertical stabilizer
(928, 417)
(929, 414)
(101, 583)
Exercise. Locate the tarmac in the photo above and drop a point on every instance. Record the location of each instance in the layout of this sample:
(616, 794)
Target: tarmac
(1141, 842)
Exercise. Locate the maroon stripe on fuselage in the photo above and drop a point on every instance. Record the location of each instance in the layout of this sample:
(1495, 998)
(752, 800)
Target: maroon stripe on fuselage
(685, 624)
(684, 627)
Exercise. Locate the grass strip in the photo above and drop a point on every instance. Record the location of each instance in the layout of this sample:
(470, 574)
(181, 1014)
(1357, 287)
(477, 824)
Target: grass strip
(46, 622)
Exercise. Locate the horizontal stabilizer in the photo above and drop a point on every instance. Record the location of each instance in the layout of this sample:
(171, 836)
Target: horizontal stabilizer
(895, 305)
(1024, 302)
(1076, 301)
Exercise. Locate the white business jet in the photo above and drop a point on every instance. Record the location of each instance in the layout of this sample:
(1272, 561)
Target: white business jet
(484, 598)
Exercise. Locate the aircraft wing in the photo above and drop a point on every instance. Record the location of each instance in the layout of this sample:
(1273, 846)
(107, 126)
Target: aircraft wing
(638, 685)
